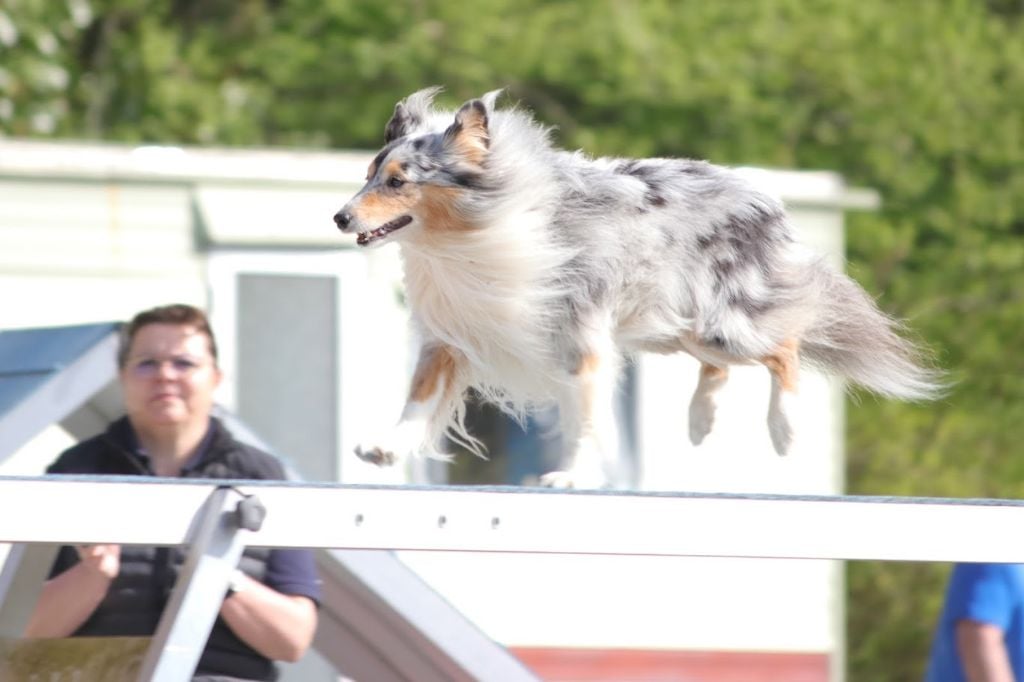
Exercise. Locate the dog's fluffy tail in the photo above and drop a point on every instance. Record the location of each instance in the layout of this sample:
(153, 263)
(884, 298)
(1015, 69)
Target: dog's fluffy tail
(851, 337)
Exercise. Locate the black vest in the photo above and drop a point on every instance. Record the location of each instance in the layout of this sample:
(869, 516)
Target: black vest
(139, 593)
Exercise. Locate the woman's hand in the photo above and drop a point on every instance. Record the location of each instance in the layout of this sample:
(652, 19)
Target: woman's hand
(105, 560)
(68, 599)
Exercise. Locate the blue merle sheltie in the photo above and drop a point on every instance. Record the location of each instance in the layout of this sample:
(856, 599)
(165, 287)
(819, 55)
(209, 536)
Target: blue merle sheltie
(531, 272)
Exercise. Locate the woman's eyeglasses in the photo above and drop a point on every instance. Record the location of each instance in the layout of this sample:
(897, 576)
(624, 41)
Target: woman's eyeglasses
(181, 365)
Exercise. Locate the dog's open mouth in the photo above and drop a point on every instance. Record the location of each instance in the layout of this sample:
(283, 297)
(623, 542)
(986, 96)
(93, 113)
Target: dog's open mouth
(365, 238)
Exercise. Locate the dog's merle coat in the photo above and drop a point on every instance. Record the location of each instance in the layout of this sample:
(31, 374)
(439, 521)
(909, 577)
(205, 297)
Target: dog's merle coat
(531, 271)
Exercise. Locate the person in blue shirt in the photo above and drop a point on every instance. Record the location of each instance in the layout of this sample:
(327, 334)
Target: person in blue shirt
(980, 634)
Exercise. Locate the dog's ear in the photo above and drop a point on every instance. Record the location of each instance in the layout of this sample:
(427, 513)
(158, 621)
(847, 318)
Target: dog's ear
(469, 133)
(409, 113)
(399, 125)
(491, 97)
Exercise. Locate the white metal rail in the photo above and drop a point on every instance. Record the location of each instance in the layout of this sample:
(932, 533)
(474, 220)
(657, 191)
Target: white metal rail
(91, 509)
(38, 514)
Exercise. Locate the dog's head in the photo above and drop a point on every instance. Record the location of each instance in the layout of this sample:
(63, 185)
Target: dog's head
(420, 180)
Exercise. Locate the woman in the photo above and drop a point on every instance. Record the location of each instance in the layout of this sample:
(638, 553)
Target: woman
(168, 373)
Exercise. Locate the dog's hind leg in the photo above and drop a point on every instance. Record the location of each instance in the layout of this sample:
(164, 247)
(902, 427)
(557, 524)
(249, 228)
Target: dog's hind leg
(436, 383)
(703, 403)
(589, 427)
(784, 365)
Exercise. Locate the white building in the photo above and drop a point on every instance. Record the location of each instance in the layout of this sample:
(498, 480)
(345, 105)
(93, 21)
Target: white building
(315, 350)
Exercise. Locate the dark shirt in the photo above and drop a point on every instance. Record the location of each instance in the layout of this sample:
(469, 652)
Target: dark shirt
(140, 591)
(289, 571)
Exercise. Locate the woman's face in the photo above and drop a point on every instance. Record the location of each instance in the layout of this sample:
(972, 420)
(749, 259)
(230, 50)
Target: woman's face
(169, 377)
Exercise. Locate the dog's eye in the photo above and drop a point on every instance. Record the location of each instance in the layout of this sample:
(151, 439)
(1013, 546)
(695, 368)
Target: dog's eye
(395, 182)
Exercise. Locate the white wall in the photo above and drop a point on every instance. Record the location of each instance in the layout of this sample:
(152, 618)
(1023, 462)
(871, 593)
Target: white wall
(73, 252)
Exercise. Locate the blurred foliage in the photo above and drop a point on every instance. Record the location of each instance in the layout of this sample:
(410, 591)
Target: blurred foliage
(922, 101)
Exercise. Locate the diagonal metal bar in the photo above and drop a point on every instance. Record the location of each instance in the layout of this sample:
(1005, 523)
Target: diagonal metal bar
(21, 581)
(379, 621)
(215, 547)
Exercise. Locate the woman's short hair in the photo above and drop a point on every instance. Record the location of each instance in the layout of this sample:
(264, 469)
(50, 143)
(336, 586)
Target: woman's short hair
(176, 313)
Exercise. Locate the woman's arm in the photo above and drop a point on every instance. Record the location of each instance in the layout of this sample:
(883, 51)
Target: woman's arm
(279, 626)
(68, 599)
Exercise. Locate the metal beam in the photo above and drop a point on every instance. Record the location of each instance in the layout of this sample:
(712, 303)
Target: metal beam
(525, 520)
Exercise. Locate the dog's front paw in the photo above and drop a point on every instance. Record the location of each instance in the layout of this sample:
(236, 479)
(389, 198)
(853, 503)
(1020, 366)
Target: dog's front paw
(393, 446)
(574, 478)
(584, 468)
(557, 479)
(376, 454)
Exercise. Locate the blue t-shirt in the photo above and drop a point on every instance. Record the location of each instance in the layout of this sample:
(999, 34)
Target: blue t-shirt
(985, 593)
(293, 571)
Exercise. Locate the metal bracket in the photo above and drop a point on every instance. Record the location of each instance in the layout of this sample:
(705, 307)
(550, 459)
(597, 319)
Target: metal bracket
(250, 512)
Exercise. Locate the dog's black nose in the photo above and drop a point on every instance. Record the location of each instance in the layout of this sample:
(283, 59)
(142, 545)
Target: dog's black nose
(342, 218)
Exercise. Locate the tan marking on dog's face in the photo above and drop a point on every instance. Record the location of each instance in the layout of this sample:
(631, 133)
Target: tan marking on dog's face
(434, 372)
(376, 209)
(784, 364)
(438, 210)
(392, 168)
(385, 203)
